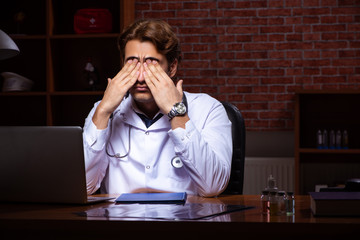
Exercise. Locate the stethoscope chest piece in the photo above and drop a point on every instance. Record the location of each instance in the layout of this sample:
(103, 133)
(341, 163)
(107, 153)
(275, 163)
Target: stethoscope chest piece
(176, 162)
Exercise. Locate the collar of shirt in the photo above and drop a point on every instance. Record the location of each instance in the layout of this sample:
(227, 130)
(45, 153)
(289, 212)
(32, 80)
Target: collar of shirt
(147, 121)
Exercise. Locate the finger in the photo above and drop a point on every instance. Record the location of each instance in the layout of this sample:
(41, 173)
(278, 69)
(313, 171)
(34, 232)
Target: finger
(179, 86)
(159, 70)
(134, 74)
(130, 79)
(148, 80)
(126, 70)
(148, 74)
(151, 70)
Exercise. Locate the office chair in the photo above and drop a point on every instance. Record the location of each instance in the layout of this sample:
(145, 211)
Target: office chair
(236, 181)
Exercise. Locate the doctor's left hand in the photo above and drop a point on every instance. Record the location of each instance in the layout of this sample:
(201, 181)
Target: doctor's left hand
(162, 87)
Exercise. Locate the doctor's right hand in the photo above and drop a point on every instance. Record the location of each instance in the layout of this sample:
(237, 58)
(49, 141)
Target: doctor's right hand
(115, 92)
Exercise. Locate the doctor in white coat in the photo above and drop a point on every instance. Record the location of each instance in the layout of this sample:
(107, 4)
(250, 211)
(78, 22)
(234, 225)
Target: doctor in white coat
(147, 134)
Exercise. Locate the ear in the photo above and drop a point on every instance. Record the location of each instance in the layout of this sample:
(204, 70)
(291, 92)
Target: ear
(173, 68)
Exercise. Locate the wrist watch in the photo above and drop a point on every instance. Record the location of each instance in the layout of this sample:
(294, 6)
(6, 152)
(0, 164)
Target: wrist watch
(179, 109)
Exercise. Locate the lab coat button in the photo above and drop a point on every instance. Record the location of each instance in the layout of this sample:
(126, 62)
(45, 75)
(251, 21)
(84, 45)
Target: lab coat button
(147, 133)
(147, 167)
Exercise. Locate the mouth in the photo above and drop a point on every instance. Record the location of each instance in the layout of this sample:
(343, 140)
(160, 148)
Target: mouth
(141, 88)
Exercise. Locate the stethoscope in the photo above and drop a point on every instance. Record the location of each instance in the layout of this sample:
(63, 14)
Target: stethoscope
(175, 161)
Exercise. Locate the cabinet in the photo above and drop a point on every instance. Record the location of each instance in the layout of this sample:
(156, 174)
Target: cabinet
(330, 110)
(53, 57)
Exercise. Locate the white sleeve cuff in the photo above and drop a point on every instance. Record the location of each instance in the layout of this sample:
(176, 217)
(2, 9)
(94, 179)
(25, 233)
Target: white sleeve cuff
(94, 137)
(181, 137)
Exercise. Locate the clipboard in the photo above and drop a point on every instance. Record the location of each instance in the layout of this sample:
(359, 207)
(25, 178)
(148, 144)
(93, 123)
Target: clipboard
(152, 198)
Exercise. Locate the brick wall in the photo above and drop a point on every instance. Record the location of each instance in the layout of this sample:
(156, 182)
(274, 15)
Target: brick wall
(255, 54)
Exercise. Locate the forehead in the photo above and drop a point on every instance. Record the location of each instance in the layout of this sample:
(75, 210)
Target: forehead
(140, 49)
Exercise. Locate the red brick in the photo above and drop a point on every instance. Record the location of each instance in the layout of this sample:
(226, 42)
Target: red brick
(242, 30)
(346, 10)
(311, 3)
(277, 80)
(293, 3)
(258, 46)
(275, 12)
(328, 19)
(190, 5)
(329, 28)
(311, 19)
(226, 4)
(158, 6)
(311, 71)
(259, 97)
(329, 79)
(275, 63)
(276, 29)
(239, 13)
(329, 71)
(347, 71)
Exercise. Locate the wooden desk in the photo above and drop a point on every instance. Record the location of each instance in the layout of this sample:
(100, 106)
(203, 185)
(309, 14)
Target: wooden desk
(51, 221)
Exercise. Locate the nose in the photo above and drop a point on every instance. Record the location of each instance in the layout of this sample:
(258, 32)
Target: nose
(141, 75)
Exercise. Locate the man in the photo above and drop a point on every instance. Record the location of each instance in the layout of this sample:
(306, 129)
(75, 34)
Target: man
(146, 134)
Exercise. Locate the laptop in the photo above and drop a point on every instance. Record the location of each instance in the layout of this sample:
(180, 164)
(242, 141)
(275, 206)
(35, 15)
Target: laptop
(44, 165)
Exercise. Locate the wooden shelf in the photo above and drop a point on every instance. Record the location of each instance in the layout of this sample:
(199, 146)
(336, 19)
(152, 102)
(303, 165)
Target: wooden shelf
(331, 151)
(77, 93)
(26, 37)
(80, 36)
(22, 94)
(331, 110)
(53, 57)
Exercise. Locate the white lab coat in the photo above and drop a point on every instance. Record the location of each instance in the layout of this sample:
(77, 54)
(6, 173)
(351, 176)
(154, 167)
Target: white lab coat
(205, 148)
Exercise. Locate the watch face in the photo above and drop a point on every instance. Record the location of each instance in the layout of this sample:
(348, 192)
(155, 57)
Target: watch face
(180, 108)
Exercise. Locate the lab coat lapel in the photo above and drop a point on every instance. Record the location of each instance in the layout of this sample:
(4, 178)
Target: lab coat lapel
(128, 115)
(162, 123)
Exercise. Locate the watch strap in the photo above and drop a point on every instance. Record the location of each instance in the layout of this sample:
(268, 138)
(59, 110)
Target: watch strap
(173, 112)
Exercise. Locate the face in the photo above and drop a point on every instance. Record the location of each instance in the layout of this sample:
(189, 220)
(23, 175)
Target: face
(143, 51)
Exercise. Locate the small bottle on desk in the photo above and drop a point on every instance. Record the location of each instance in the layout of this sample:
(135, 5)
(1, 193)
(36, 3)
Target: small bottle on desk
(265, 204)
(290, 204)
(281, 201)
(274, 203)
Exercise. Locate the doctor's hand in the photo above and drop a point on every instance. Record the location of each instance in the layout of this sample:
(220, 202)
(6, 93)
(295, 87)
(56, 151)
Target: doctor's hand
(162, 87)
(115, 92)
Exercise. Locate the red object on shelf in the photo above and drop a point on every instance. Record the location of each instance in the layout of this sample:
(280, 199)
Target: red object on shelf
(91, 20)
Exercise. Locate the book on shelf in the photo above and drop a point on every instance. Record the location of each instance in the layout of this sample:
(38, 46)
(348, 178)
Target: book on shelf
(335, 203)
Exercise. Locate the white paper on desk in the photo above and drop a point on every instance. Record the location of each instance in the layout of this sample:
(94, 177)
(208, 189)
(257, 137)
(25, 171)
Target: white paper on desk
(190, 211)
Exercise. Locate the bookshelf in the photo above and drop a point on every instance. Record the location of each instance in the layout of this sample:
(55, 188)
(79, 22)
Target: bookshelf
(53, 56)
(336, 110)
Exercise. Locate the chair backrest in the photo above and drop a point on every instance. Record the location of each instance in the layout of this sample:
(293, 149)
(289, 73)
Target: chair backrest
(236, 182)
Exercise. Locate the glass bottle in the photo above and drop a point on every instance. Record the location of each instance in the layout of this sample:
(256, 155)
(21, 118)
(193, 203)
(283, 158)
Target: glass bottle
(281, 202)
(319, 139)
(290, 204)
(325, 139)
(265, 204)
(332, 139)
(345, 140)
(274, 204)
(338, 139)
(271, 184)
